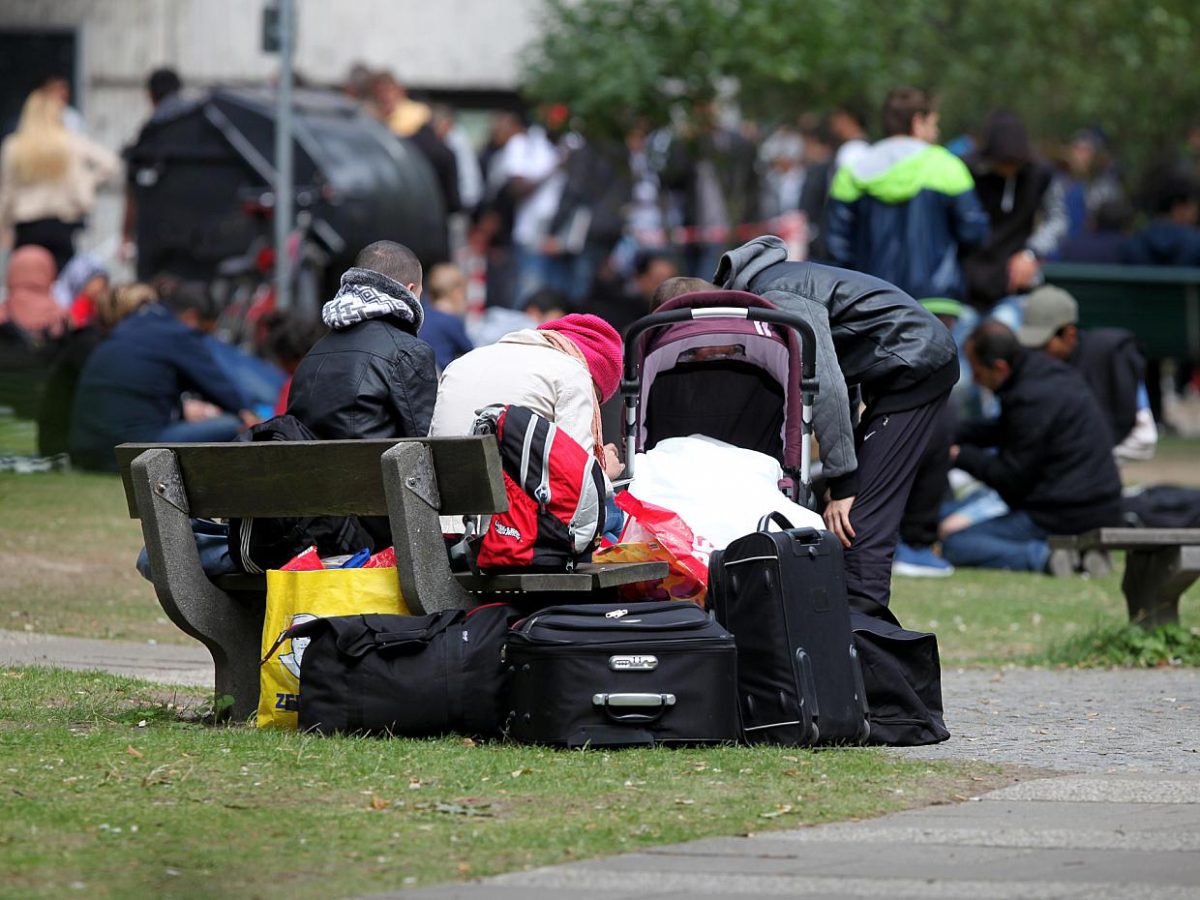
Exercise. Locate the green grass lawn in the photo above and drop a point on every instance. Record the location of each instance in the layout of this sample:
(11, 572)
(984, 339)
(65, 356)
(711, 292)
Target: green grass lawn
(108, 793)
(67, 549)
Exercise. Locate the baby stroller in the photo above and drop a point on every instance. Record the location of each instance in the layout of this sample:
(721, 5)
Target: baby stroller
(718, 363)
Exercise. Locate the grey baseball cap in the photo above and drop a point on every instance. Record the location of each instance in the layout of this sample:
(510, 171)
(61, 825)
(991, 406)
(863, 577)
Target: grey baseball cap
(1046, 310)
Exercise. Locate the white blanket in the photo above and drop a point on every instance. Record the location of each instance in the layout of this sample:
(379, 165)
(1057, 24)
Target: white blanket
(719, 490)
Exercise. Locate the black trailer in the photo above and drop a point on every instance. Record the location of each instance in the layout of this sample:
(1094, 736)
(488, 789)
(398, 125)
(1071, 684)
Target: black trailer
(202, 179)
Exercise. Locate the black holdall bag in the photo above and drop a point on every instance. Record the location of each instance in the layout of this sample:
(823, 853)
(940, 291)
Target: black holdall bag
(903, 677)
(622, 675)
(415, 676)
(256, 545)
(783, 594)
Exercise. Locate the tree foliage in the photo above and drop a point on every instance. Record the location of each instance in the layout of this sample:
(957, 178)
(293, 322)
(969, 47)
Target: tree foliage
(1125, 66)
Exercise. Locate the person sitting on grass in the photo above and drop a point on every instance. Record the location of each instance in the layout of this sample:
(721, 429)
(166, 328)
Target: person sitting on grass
(1052, 461)
(445, 311)
(132, 384)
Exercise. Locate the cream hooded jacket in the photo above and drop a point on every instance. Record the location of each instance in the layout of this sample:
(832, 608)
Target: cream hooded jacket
(522, 368)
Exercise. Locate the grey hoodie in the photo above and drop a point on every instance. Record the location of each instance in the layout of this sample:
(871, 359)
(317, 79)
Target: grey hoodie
(869, 333)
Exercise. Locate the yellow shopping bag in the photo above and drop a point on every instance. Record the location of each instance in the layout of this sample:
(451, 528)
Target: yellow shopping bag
(295, 597)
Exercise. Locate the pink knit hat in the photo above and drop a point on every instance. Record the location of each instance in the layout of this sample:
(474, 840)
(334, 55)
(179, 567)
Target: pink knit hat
(600, 345)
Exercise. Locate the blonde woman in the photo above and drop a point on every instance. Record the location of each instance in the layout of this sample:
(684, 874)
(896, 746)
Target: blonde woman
(48, 177)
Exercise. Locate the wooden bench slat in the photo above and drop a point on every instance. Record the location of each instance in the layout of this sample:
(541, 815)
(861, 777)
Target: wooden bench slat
(588, 577)
(1128, 538)
(339, 477)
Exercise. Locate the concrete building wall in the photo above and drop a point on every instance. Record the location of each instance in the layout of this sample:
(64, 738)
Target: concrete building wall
(444, 44)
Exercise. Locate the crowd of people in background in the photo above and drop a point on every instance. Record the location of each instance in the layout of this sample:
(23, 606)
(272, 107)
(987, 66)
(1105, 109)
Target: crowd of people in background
(546, 219)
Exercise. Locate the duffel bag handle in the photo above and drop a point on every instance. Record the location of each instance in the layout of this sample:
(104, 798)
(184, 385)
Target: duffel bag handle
(421, 634)
(805, 535)
(634, 707)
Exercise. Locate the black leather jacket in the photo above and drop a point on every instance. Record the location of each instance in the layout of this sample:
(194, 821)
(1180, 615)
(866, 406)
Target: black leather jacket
(375, 379)
(869, 333)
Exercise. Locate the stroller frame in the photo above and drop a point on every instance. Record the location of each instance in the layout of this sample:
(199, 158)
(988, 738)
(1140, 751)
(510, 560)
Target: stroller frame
(636, 337)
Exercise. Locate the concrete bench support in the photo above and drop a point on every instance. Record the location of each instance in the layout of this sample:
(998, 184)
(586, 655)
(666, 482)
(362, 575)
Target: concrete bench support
(1160, 564)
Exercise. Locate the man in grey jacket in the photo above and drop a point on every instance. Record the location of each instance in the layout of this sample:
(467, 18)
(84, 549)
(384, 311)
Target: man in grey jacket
(872, 335)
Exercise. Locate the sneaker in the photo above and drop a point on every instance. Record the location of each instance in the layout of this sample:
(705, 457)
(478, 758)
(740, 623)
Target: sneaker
(919, 562)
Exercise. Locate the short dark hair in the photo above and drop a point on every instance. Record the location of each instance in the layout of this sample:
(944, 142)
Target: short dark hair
(290, 336)
(677, 287)
(162, 83)
(191, 295)
(647, 258)
(853, 111)
(1169, 187)
(901, 105)
(546, 300)
(993, 341)
(394, 260)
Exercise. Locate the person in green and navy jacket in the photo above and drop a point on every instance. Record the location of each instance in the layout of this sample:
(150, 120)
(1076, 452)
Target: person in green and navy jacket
(905, 209)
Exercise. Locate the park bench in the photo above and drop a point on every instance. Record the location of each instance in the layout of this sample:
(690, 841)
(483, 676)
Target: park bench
(1160, 304)
(410, 481)
(1160, 564)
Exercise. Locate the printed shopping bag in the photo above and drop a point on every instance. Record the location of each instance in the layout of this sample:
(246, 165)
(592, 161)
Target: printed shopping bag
(655, 534)
(301, 596)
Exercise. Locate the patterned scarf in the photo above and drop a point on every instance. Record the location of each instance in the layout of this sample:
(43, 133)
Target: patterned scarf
(366, 294)
(567, 346)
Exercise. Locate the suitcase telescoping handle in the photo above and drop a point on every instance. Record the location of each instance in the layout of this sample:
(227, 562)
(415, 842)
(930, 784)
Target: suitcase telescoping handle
(634, 707)
(631, 384)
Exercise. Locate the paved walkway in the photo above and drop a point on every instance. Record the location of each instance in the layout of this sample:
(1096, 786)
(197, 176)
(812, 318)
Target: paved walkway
(187, 664)
(1124, 824)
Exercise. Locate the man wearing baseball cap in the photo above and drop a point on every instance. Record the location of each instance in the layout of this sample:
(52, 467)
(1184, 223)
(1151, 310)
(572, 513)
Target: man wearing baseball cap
(1107, 358)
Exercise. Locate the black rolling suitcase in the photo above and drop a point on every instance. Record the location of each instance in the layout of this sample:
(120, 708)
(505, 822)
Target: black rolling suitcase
(622, 674)
(783, 595)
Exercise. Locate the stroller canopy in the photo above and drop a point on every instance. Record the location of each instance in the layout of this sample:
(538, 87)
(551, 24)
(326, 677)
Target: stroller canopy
(731, 379)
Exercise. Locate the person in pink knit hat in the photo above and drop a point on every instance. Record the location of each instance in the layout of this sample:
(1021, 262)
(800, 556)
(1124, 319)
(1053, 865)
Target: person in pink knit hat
(563, 370)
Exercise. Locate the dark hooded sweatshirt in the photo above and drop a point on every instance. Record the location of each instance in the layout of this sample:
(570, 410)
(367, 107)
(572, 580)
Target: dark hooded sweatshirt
(869, 333)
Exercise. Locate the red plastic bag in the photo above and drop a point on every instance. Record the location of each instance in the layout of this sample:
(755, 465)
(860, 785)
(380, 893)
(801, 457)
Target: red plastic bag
(651, 534)
(308, 561)
(384, 559)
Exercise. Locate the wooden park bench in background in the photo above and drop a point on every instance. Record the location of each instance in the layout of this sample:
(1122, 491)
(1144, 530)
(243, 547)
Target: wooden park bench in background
(1160, 564)
(410, 481)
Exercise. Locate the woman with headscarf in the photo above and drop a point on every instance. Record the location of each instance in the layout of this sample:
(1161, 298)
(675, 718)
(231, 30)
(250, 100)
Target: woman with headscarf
(48, 177)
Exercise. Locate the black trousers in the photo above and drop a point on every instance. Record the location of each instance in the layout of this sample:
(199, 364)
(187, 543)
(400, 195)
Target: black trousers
(890, 447)
(931, 485)
(55, 235)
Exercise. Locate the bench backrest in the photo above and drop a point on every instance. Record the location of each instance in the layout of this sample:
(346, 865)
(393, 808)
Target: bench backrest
(1160, 304)
(304, 478)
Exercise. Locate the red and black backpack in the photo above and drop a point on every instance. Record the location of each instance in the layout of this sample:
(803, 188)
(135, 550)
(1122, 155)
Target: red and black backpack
(555, 495)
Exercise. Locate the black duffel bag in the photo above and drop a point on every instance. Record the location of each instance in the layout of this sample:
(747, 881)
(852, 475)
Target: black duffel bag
(413, 676)
(902, 674)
